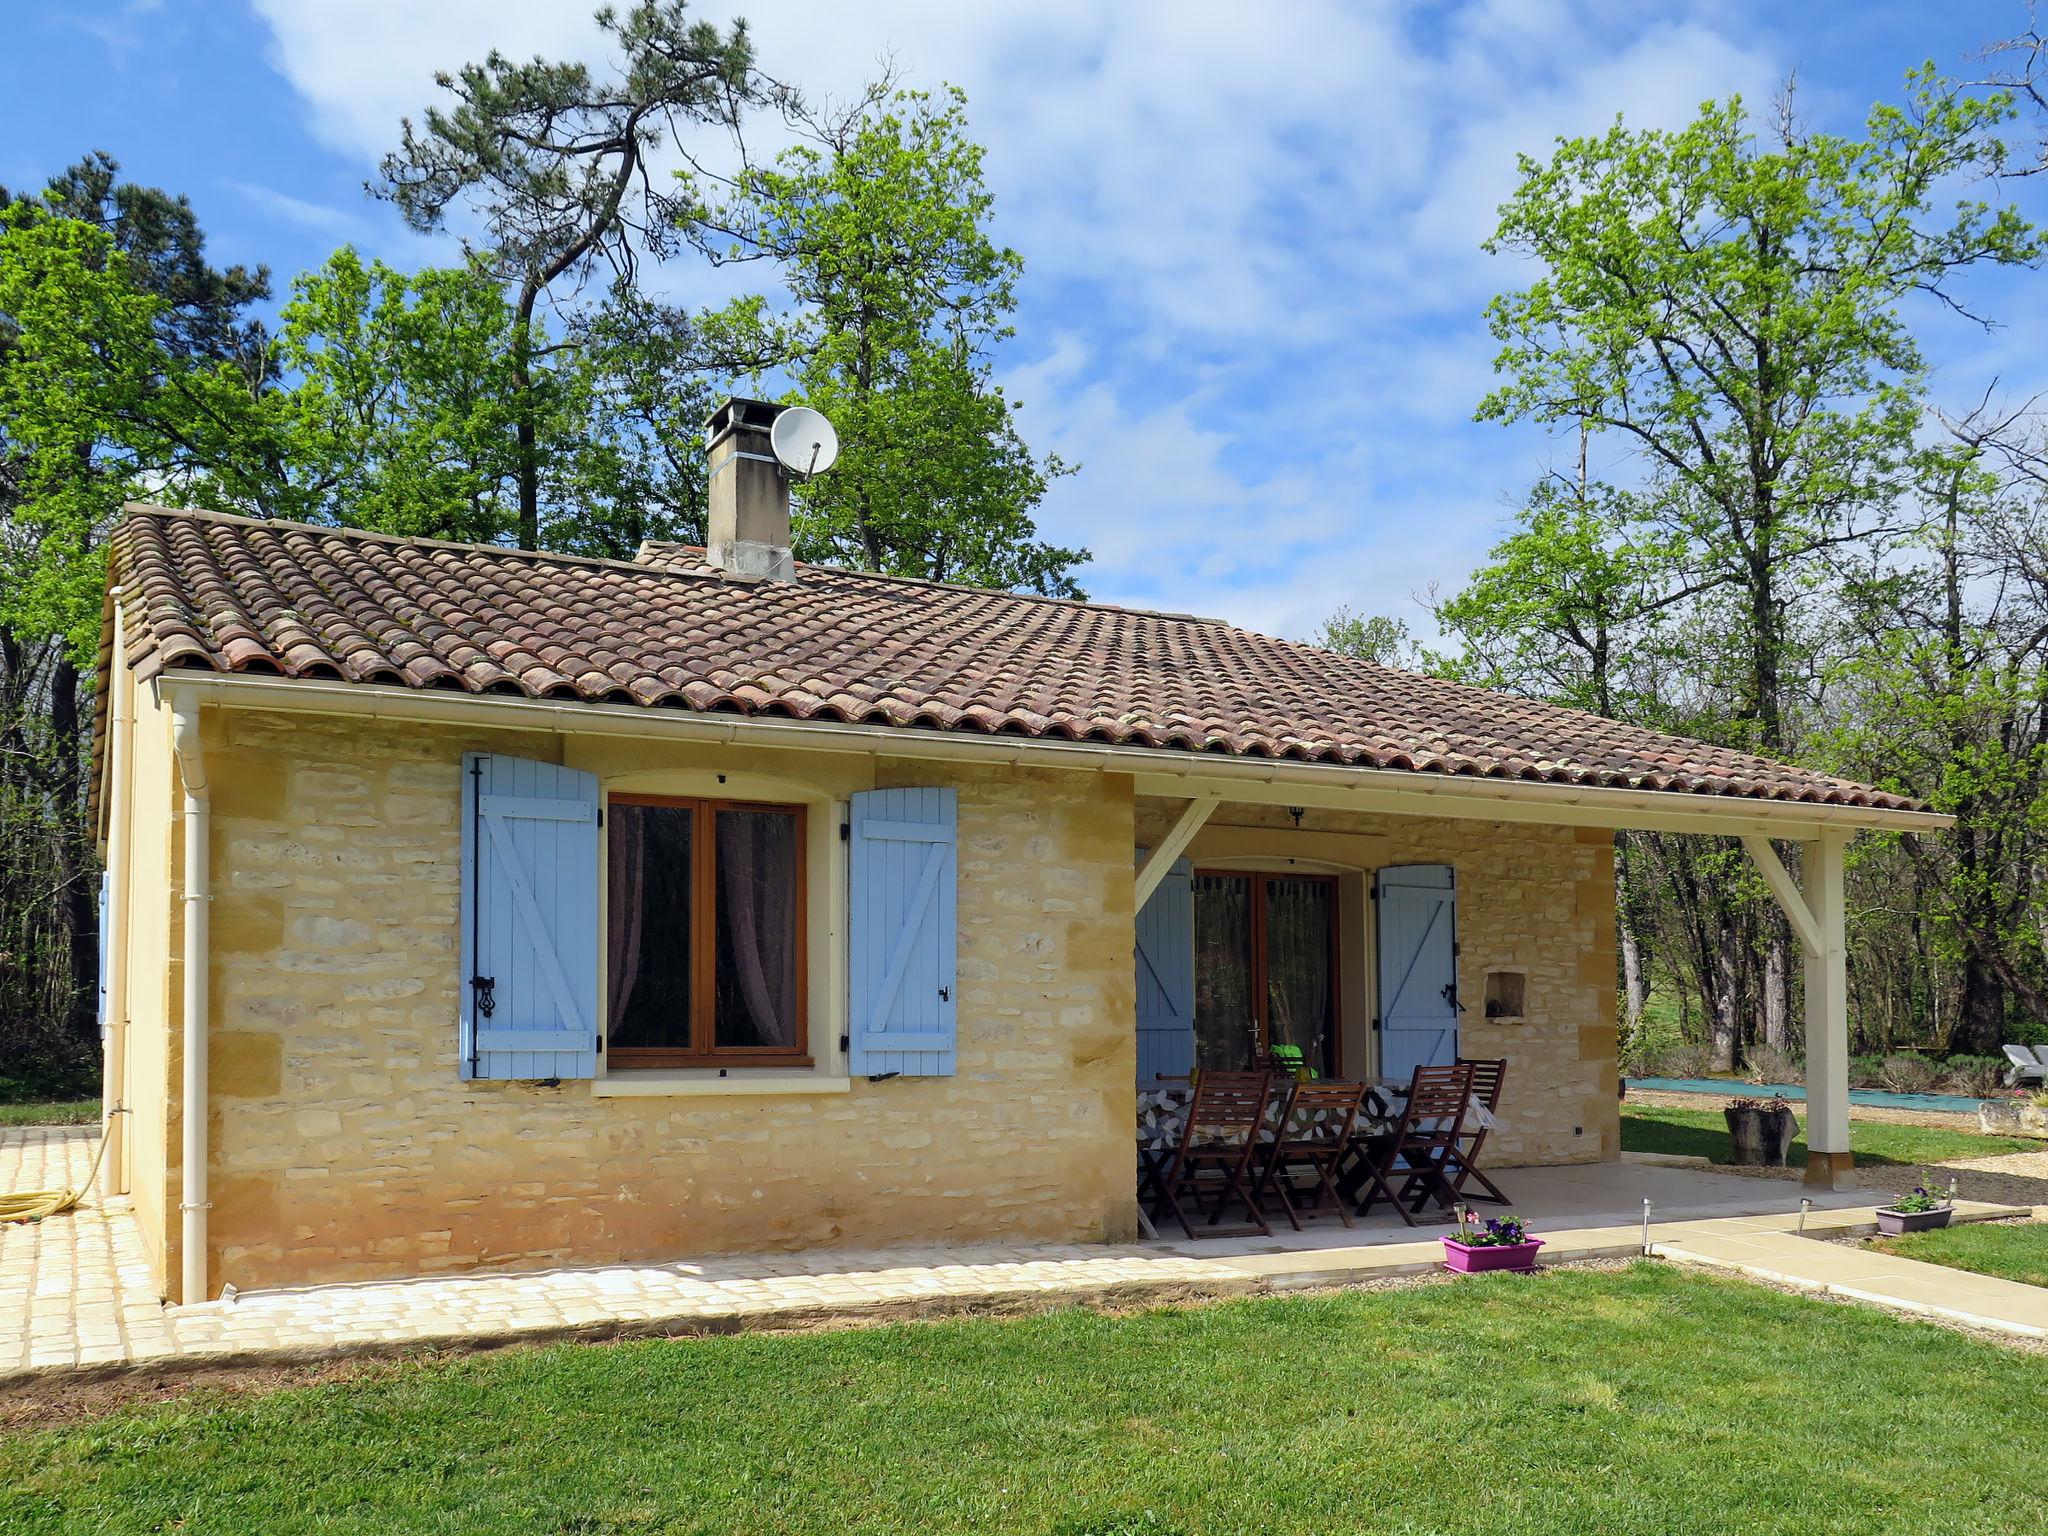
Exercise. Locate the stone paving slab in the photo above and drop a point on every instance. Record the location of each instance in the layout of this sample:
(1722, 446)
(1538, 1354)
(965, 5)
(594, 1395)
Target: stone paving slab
(1868, 1275)
(77, 1297)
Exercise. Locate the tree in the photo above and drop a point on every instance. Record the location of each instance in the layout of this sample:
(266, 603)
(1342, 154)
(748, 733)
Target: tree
(877, 222)
(204, 309)
(401, 411)
(1369, 637)
(555, 161)
(1947, 678)
(1732, 312)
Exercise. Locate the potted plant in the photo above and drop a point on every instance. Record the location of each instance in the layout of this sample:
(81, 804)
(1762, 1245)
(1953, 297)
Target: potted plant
(1503, 1243)
(1761, 1131)
(1920, 1211)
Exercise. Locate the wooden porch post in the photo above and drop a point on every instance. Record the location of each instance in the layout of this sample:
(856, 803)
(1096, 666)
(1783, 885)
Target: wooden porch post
(1828, 1163)
(1817, 917)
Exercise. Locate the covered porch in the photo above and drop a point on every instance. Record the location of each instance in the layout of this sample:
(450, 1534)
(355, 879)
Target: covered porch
(1360, 925)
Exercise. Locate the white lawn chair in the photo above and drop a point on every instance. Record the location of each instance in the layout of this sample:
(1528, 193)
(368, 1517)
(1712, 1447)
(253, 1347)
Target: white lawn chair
(2027, 1066)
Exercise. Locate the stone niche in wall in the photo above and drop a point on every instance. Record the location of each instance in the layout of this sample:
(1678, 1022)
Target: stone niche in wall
(1507, 995)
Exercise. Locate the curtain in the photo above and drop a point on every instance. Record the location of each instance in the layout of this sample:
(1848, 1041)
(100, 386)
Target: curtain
(626, 879)
(1298, 967)
(757, 926)
(1226, 1020)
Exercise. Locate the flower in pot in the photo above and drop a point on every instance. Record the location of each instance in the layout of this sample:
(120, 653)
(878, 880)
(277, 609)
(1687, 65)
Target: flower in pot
(1761, 1130)
(1501, 1243)
(1917, 1212)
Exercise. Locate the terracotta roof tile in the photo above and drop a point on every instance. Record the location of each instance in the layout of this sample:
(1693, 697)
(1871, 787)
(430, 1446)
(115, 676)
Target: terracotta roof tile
(204, 591)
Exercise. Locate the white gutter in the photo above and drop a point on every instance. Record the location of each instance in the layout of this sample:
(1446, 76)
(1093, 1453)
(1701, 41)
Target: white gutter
(120, 803)
(198, 899)
(1197, 772)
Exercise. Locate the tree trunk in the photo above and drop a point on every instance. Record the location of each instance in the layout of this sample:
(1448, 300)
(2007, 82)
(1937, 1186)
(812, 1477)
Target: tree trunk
(1980, 1022)
(1635, 996)
(527, 455)
(1725, 1021)
(1778, 987)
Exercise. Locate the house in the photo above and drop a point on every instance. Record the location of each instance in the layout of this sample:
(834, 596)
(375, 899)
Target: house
(469, 907)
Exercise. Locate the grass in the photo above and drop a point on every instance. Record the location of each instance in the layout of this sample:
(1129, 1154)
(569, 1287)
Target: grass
(67, 1112)
(1704, 1133)
(1641, 1399)
(2011, 1250)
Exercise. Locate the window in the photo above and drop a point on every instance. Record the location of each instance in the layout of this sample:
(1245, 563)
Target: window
(1265, 971)
(704, 932)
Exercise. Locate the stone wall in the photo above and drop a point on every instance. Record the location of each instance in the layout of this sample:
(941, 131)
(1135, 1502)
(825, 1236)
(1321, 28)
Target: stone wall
(1533, 899)
(345, 1145)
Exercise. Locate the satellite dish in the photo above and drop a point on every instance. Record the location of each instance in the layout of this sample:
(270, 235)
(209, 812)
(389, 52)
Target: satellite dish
(804, 441)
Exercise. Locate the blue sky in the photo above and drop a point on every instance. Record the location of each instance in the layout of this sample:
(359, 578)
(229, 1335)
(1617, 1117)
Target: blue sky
(1252, 302)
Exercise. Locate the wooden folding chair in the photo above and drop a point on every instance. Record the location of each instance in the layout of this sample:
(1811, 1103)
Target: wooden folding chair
(1311, 1135)
(1488, 1078)
(1419, 1150)
(1220, 1134)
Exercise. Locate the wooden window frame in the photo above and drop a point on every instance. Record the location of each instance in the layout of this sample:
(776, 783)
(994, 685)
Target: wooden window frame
(702, 1050)
(1261, 1003)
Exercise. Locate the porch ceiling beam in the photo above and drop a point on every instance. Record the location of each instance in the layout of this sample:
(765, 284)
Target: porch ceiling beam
(1734, 818)
(1790, 897)
(1171, 847)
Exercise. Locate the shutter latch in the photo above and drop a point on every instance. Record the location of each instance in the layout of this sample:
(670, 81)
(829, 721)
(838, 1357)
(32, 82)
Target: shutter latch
(945, 994)
(486, 999)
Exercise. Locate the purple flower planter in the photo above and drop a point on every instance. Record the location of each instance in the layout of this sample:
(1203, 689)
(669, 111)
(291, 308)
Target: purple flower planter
(1466, 1259)
(1891, 1223)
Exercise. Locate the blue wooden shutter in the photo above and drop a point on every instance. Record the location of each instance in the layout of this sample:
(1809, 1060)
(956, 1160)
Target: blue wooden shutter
(1166, 978)
(1418, 966)
(903, 933)
(106, 895)
(529, 919)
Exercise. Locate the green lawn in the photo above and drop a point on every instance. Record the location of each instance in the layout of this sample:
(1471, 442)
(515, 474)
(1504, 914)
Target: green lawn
(1704, 1133)
(71, 1112)
(2009, 1250)
(1636, 1400)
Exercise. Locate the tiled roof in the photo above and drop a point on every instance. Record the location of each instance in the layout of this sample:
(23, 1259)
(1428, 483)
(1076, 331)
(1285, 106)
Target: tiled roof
(227, 594)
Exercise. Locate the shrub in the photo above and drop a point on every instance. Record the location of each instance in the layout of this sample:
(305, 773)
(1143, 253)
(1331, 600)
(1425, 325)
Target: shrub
(1979, 1076)
(1683, 1061)
(1768, 1065)
(1866, 1071)
(1908, 1074)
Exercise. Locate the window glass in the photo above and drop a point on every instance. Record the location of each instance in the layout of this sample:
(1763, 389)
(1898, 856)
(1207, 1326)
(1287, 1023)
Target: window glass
(756, 979)
(1298, 926)
(1226, 1016)
(648, 923)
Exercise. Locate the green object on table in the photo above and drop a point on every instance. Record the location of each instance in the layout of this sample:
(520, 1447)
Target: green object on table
(1289, 1060)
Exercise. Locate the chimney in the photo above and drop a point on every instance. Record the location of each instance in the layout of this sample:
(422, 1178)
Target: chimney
(748, 494)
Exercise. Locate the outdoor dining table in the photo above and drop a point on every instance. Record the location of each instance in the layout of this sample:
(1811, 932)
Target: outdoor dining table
(1163, 1106)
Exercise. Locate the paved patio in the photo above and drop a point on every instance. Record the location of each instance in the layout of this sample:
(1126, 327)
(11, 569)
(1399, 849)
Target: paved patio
(76, 1296)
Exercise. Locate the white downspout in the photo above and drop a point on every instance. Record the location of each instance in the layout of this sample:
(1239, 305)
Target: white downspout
(198, 901)
(120, 803)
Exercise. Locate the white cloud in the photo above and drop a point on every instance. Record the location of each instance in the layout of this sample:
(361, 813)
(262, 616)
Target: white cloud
(315, 216)
(1252, 303)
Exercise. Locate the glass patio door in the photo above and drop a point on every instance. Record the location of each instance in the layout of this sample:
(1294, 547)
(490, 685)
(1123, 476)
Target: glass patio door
(1265, 970)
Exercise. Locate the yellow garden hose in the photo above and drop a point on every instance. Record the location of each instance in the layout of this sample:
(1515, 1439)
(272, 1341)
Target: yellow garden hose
(35, 1204)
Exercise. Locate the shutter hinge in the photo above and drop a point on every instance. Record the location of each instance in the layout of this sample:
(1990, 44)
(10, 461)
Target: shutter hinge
(846, 1042)
(600, 1043)
(846, 831)
(600, 815)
